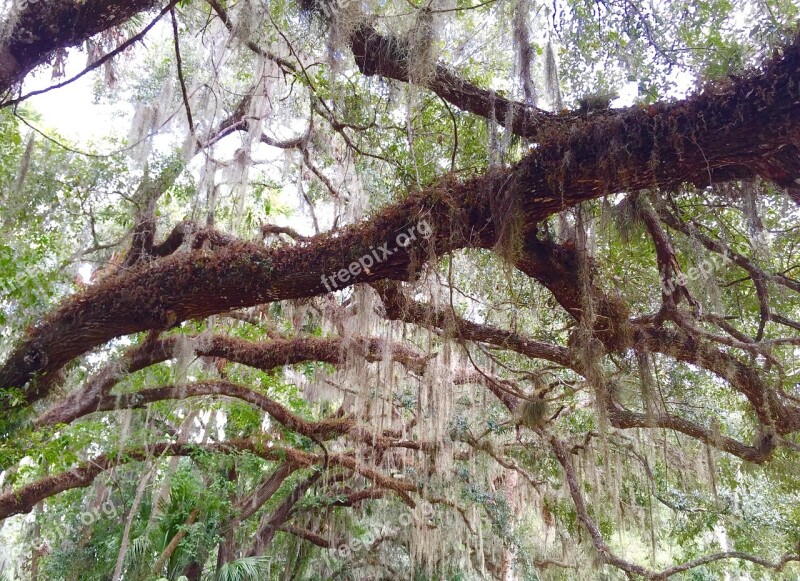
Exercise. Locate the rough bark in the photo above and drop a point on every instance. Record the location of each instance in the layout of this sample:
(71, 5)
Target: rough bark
(741, 128)
(40, 28)
(264, 356)
(22, 500)
(663, 146)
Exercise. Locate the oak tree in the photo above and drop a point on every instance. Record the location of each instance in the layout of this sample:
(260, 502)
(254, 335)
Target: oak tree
(392, 290)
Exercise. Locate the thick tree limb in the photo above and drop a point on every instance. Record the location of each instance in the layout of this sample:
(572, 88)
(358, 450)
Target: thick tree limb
(772, 412)
(398, 306)
(599, 543)
(248, 506)
(662, 146)
(555, 266)
(23, 500)
(264, 356)
(704, 560)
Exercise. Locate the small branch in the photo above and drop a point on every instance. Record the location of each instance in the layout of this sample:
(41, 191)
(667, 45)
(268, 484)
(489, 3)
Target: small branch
(174, 542)
(776, 565)
(179, 62)
(223, 16)
(317, 172)
(273, 230)
(306, 535)
(583, 514)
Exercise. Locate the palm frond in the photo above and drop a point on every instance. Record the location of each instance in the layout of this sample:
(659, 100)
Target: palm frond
(245, 569)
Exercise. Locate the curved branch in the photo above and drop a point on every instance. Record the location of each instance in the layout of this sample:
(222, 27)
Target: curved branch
(400, 307)
(623, 418)
(306, 535)
(602, 155)
(263, 355)
(631, 568)
(140, 399)
(583, 514)
(387, 56)
(775, 565)
(682, 346)
(23, 500)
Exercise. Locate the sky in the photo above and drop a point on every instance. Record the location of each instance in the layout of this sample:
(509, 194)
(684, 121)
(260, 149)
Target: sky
(70, 110)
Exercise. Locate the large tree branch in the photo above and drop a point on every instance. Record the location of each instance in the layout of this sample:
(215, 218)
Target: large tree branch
(399, 306)
(325, 429)
(706, 559)
(307, 535)
(605, 552)
(556, 267)
(262, 355)
(23, 500)
(197, 284)
(662, 146)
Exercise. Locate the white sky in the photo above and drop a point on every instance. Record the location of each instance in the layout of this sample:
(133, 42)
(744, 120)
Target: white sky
(70, 110)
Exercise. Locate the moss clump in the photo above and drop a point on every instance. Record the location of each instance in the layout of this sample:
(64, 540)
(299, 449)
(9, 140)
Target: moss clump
(532, 414)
